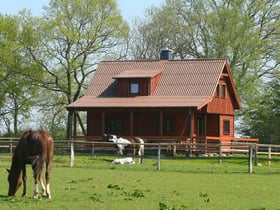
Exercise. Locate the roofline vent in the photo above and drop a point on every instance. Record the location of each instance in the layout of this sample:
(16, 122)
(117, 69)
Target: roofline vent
(165, 54)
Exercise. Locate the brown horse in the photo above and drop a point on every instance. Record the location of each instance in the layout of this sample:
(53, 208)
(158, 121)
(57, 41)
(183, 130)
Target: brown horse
(35, 148)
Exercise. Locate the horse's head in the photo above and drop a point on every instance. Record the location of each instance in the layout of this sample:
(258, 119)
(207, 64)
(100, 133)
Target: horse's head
(109, 137)
(15, 182)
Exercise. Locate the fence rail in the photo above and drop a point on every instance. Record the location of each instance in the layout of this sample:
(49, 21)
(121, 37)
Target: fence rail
(220, 150)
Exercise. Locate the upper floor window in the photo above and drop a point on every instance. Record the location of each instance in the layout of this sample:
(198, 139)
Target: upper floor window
(218, 90)
(134, 88)
(223, 91)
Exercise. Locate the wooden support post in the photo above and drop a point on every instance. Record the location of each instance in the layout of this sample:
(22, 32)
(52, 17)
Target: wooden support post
(269, 155)
(250, 158)
(158, 158)
(131, 123)
(103, 122)
(77, 117)
(160, 123)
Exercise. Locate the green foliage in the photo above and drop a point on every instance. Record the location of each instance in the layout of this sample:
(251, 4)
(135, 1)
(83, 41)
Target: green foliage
(54, 56)
(74, 36)
(263, 119)
(244, 32)
(17, 92)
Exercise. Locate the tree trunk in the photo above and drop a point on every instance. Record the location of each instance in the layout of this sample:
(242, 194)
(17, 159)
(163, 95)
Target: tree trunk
(70, 123)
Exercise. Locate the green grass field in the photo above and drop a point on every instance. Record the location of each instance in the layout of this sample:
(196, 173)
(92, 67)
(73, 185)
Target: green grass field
(94, 183)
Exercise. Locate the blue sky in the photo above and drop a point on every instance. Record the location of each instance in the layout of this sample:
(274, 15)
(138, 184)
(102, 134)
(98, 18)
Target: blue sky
(129, 8)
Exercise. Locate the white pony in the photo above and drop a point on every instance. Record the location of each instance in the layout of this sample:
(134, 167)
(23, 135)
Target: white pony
(122, 143)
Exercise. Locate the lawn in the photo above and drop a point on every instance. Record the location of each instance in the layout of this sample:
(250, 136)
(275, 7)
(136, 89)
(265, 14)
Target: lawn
(94, 183)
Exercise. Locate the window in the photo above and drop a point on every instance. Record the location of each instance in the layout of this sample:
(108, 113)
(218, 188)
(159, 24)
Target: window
(134, 88)
(226, 127)
(114, 126)
(218, 90)
(168, 125)
(223, 91)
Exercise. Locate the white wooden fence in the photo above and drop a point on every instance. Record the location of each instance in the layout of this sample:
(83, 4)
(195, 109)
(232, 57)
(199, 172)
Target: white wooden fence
(219, 151)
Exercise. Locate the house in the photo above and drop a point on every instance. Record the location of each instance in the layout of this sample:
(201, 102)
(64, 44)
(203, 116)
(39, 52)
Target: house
(176, 100)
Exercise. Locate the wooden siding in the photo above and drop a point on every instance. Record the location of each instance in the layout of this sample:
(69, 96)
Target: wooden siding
(154, 82)
(145, 122)
(213, 125)
(222, 104)
(231, 125)
(94, 123)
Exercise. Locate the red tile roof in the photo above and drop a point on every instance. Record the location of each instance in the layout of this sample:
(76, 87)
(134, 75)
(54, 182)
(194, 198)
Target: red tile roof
(183, 83)
(137, 73)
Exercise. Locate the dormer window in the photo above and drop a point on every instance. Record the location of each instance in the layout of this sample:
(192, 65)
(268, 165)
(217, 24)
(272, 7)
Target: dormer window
(137, 82)
(134, 88)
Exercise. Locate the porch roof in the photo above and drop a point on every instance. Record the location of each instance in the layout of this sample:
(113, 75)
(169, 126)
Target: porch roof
(139, 102)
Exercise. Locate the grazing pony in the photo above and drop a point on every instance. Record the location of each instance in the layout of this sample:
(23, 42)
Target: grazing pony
(35, 148)
(122, 143)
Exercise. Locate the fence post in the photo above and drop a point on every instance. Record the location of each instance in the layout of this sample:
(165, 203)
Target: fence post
(92, 151)
(250, 163)
(158, 158)
(72, 156)
(174, 150)
(220, 153)
(191, 150)
(256, 155)
(269, 155)
(11, 146)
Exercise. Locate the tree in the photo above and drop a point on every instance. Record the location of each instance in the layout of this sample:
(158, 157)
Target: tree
(263, 120)
(244, 32)
(16, 93)
(72, 36)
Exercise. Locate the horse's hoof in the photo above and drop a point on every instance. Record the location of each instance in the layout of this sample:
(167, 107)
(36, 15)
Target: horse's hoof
(45, 195)
(35, 196)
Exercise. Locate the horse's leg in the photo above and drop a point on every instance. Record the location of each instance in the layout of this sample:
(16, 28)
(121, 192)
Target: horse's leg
(24, 178)
(141, 153)
(120, 149)
(37, 170)
(47, 175)
(36, 189)
(44, 193)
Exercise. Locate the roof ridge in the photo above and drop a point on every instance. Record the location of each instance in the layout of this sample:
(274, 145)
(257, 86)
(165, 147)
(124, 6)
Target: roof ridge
(179, 60)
